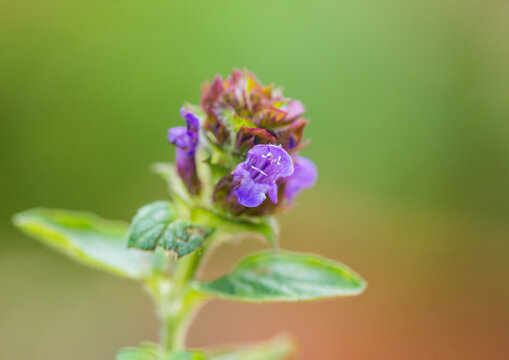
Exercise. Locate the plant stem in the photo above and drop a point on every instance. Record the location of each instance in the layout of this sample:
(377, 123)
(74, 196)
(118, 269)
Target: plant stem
(176, 302)
(173, 330)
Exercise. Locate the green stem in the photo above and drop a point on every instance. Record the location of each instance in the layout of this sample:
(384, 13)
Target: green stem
(176, 302)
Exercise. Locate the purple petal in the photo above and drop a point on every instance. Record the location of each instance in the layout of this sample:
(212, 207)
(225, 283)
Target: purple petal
(191, 119)
(186, 138)
(193, 124)
(251, 194)
(267, 163)
(304, 177)
(178, 136)
(186, 141)
(264, 165)
(273, 193)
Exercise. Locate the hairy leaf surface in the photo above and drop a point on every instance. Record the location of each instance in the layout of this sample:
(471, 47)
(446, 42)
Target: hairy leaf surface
(88, 239)
(149, 225)
(155, 225)
(285, 276)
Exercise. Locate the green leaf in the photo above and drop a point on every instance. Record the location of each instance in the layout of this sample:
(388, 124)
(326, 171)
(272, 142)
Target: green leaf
(155, 225)
(88, 239)
(284, 276)
(182, 237)
(149, 351)
(187, 355)
(149, 225)
(279, 348)
(146, 351)
(233, 228)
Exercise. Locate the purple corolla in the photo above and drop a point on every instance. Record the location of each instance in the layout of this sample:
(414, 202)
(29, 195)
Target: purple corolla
(303, 177)
(257, 176)
(186, 141)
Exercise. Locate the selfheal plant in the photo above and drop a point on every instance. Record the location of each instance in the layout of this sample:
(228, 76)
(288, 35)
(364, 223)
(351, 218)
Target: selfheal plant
(237, 165)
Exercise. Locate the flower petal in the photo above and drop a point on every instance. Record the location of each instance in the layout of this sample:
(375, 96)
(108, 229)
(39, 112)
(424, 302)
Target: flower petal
(186, 141)
(304, 177)
(264, 165)
(250, 193)
(273, 193)
(178, 136)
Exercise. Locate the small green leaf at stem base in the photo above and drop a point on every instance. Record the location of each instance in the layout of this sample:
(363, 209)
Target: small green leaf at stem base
(146, 351)
(183, 237)
(279, 348)
(187, 355)
(284, 276)
(88, 239)
(149, 351)
(155, 225)
(149, 224)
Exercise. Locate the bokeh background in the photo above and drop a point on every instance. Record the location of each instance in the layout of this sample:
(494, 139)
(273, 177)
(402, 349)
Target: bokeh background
(409, 102)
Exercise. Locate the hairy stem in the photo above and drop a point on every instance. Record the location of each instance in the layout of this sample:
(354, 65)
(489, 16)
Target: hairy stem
(176, 302)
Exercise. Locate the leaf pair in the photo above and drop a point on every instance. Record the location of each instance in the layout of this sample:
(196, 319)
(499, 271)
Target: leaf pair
(155, 225)
(273, 275)
(94, 241)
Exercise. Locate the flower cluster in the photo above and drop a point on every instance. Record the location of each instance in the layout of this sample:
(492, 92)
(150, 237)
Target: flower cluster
(251, 136)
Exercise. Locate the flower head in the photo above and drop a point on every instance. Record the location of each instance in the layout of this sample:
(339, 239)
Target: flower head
(257, 176)
(250, 138)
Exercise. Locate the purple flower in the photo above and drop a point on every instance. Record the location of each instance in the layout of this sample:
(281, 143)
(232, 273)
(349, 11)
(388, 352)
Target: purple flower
(186, 141)
(264, 165)
(303, 177)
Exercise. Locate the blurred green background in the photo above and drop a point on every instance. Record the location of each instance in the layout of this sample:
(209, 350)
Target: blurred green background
(409, 103)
